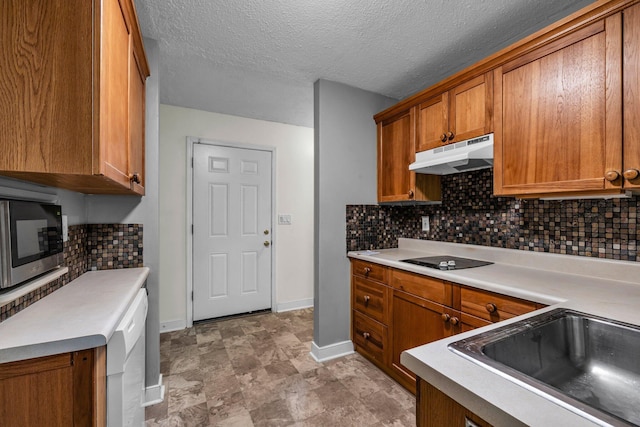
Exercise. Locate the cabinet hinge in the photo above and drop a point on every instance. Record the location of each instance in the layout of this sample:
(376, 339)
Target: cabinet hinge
(191, 228)
(191, 295)
(192, 162)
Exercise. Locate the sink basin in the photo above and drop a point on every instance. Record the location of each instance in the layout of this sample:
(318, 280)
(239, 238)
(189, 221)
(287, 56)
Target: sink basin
(587, 364)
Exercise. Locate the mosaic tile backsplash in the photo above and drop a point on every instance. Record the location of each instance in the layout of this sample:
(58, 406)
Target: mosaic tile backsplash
(100, 246)
(470, 214)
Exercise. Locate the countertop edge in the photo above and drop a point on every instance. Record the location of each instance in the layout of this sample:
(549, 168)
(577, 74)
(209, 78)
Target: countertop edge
(50, 337)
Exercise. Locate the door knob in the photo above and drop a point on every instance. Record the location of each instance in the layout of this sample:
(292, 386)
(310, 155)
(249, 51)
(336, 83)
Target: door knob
(266, 232)
(267, 243)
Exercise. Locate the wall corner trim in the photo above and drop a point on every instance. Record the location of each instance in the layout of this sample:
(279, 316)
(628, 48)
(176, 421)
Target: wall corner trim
(294, 305)
(332, 351)
(154, 394)
(173, 325)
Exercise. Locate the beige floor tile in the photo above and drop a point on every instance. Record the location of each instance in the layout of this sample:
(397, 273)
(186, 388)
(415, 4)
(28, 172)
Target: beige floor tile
(257, 371)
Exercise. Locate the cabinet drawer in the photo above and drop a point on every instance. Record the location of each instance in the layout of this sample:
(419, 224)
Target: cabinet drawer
(369, 270)
(491, 306)
(371, 298)
(435, 290)
(369, 336)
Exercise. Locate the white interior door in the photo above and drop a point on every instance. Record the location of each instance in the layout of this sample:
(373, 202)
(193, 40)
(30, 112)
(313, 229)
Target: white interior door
(232, 230)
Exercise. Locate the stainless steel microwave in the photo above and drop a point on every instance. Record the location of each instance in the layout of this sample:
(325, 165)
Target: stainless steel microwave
(30, 240)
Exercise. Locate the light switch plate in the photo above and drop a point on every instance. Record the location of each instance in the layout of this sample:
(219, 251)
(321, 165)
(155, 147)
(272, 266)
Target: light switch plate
(425, 223)
(284, 219)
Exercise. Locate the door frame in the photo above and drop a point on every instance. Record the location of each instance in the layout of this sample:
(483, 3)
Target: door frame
(191, 141)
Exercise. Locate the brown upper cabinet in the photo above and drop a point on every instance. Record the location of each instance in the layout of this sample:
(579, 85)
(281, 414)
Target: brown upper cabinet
(563, 104)
(559, 115)
(73, 99)
(631, 98)
(464, 112)
(396, 151)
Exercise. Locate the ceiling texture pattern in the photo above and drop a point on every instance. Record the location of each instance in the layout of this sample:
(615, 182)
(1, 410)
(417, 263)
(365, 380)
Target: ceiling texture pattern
(260, 58)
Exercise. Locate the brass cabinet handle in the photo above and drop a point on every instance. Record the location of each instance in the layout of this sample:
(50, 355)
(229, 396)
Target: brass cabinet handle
(491, 308)
(367, 270)
(611, 175)
(631, 174)
(445, 317)
(450, 135)
(366, 299)
(454, 321)
(366, 335)
(411, 194)
(443, 137)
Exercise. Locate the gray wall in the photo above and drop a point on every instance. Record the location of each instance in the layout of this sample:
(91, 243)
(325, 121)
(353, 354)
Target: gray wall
(345, 173)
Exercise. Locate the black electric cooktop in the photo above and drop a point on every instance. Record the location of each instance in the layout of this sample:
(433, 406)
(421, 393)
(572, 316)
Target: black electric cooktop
(446, 262)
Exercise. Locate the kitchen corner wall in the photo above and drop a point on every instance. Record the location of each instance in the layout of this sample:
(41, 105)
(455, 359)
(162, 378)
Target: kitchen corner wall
(345, 172)
(470, 214)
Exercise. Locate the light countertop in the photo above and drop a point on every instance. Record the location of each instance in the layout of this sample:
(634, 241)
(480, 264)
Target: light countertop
(606, 288)
(82, 314)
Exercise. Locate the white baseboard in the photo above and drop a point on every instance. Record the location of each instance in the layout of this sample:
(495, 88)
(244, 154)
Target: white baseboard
(154, 394)
(333, 351)
(173, 325)
(294, 305)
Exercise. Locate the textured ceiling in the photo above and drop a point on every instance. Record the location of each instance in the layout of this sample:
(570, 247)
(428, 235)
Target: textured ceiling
(259, 58)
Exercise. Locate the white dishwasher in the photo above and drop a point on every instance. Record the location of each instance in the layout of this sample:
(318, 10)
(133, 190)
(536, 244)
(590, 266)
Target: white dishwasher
(125, 367)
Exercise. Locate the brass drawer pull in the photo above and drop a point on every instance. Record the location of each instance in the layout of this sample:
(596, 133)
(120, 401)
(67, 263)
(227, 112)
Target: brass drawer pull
(366, 335)
(611, 175)
(631, 174)
(367, 270)
(366, 299)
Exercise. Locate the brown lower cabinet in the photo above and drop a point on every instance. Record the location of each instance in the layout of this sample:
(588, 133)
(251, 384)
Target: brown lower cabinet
(395, 310)
(416, 321)
(436, 409)
(63, 390)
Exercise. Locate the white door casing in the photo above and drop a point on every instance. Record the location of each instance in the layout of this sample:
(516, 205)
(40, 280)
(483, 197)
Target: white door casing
(232, 223)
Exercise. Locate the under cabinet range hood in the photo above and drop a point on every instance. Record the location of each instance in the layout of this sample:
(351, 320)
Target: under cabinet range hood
(464, 156)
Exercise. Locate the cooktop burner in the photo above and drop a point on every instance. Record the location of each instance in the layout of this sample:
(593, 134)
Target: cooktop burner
(446, 262)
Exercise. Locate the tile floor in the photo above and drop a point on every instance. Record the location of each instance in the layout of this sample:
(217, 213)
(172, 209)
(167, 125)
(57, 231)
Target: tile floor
(256, 371)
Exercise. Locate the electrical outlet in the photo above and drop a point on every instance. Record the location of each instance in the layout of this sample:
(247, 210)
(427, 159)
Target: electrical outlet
(425, 223)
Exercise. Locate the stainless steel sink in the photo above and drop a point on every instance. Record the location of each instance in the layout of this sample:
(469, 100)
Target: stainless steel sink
(585, 363)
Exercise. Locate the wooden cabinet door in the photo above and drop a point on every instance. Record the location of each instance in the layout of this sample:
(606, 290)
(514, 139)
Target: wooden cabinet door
(415, 322)
(558, 115)
(136, 125)
(45, 100)
(61, 390)
(436, 409)
(396, 150)
(115, 53)
(631, 95)
(464, 112)
(433, 123)
(471, 108)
